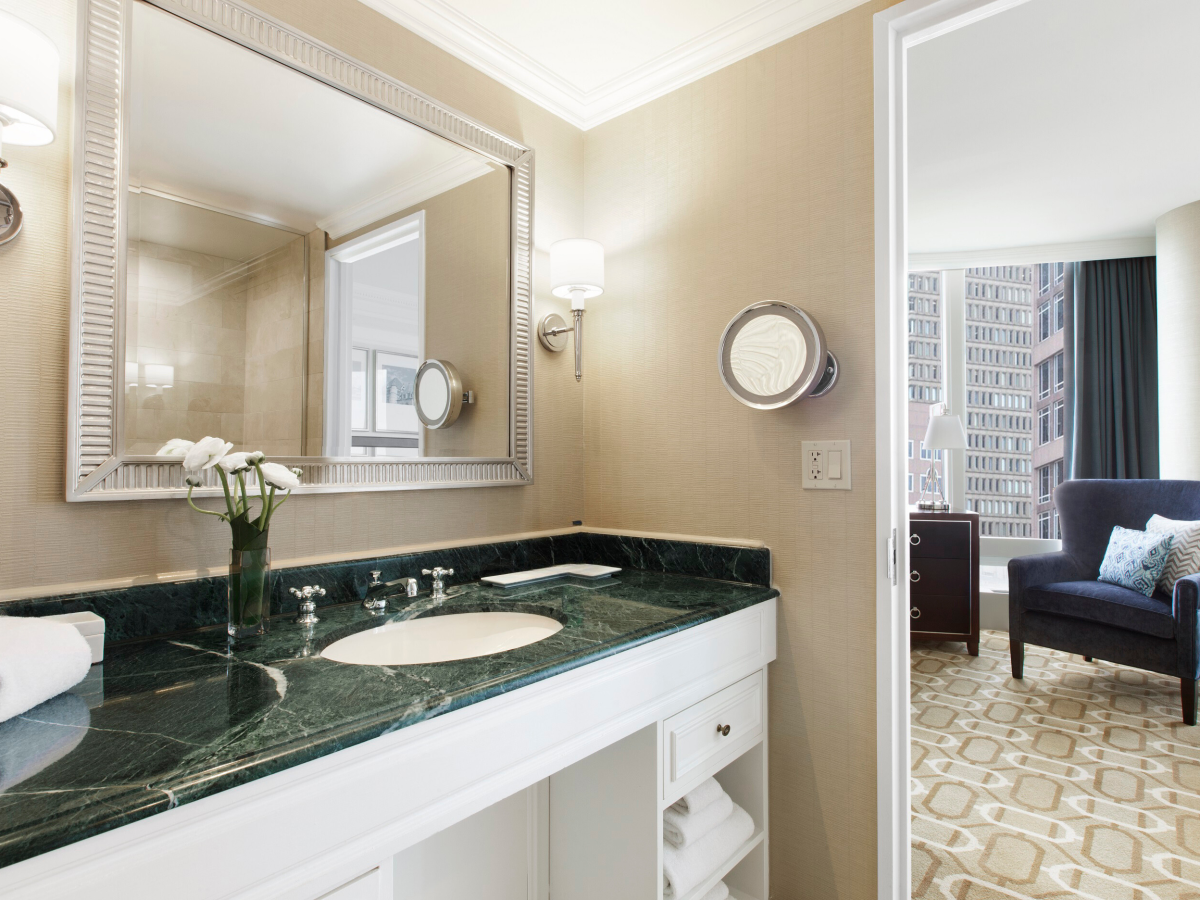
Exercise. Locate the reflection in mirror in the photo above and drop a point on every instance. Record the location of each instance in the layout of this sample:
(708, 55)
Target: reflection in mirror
(295, 254)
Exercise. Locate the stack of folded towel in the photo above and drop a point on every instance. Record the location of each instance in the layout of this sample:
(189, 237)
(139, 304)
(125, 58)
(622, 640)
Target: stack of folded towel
(700, 832)
(38, 660)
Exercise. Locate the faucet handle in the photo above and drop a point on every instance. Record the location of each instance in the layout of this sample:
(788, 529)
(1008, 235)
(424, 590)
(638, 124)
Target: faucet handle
(437, 571)
(308, 591)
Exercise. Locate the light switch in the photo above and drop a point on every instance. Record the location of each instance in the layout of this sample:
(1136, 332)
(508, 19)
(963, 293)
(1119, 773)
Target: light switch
(826, 465)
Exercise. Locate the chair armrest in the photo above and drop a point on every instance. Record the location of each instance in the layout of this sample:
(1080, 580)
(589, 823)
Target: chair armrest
(1046, 568)
(1187, 624)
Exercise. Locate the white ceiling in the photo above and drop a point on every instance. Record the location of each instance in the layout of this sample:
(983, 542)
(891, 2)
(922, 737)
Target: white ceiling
(223, 126)
(590, 60)
(1057, 122)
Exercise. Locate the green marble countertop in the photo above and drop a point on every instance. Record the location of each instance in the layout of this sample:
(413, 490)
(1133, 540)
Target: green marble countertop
(169, 721)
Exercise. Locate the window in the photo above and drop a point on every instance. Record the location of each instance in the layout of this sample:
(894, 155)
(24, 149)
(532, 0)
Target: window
(1044, 321)
(1043, 425)
(1043, 276)
(910, 449)
(1043, 380)
(1059, 417)
(1045, 483)
(1060, 371)
(1058, 312)
(1059, 268)
(910, 481)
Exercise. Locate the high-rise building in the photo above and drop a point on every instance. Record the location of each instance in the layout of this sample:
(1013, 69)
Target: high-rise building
(999, 420)
(926, 363)
(1050, 420)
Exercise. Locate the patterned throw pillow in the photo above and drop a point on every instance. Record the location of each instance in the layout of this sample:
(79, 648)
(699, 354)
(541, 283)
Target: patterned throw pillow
(1184, 558)
(1135, 559)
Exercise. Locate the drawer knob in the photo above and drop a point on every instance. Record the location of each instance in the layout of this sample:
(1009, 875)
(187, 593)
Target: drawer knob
(914, 539)
(914, 613)
(722, 730)
(914, 576)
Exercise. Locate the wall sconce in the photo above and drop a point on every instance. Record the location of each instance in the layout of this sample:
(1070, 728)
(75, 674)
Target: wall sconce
(159, 376)
(28, 101)
(576, 273)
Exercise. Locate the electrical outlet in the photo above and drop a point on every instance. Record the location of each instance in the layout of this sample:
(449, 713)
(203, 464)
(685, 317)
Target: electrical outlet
(826, 465)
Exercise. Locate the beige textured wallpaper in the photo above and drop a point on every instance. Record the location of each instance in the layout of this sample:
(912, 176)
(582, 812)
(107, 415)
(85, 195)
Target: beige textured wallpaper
(45, 541)
(754, 183)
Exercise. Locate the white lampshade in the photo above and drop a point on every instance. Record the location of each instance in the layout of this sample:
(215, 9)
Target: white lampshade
(160, 376)
(576, 264)
(945, 433)
(28, 83)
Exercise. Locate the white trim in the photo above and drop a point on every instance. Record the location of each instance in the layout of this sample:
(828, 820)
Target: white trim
(761, 27)
(445, 176)
(1122, 248)
(895, 31)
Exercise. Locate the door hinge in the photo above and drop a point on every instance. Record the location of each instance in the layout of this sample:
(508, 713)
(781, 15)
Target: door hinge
(891, 558)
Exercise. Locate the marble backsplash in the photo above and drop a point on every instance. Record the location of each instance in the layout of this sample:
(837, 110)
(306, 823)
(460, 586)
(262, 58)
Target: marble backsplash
(154, 610)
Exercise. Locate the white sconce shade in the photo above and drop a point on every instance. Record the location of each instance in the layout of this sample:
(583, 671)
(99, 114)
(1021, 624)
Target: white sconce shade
(160, 376)
(28, 83)
(576, 266)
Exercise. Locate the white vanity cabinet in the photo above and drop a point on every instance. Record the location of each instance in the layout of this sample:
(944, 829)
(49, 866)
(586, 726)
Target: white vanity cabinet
(556, 788)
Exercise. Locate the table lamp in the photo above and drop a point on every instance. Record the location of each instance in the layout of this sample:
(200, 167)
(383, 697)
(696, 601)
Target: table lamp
(945, 432)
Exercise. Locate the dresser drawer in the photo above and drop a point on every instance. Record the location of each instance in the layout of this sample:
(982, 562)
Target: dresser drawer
(940, 613)
(940, 576)
(939, 540)
(699, 740)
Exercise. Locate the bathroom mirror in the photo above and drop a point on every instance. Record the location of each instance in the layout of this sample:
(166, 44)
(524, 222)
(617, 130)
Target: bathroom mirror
(273, 241)
(773, 354)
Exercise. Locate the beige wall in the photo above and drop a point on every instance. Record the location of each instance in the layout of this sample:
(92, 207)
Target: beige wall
(754, 183)
(45, 541)
(275, 345)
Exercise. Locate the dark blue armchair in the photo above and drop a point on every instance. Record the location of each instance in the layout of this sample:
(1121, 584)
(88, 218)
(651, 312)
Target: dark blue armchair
(1054, 600)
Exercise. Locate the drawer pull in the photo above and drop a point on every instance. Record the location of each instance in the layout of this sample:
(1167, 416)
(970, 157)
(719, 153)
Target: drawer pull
(914, 576)
(722, 730)
(914, 539)
(914, 613)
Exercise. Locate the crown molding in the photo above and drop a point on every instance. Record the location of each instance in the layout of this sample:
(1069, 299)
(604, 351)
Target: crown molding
(445, 176)
(1080, 251)
(759, 28)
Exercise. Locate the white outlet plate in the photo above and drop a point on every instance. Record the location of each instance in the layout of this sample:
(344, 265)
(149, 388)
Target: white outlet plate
(825, 465)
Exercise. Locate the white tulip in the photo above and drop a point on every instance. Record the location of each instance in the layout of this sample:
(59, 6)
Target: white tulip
(233, 463)
(175, 447)
(205, 454)
(279, 476)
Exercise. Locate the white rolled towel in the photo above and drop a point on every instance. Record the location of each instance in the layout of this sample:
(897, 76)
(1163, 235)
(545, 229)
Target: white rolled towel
(38, 660)
(699, 797)
(681, 829)
(719, 892)
(684, 870)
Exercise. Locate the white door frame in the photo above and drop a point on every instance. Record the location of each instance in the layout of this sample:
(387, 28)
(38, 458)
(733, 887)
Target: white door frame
(896, 30)
(339, 308)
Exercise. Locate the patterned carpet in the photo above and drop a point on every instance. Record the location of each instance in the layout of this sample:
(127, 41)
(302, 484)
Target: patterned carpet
(1081, 781)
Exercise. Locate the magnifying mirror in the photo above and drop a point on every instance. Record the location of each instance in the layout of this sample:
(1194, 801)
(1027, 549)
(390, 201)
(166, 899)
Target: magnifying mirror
(773, 354)
(439, 394)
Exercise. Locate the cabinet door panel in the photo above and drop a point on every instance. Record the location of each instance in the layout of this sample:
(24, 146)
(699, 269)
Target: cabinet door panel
(941, 576)
(946, 540)
(940, 613)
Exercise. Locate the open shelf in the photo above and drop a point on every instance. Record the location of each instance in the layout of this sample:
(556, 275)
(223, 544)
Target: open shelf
(738, 855)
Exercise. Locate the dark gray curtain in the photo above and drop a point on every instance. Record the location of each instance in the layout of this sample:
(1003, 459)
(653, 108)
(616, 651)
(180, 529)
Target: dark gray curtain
(1115, 363)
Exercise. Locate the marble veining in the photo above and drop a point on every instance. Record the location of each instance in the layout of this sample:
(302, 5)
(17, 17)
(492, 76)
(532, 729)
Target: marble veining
(157, 610)
(164, 722)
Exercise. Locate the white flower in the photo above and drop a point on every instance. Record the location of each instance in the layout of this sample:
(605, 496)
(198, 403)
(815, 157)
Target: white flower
(193, 481)
(280, 476)
(205, 454)
(233, 463)
(175, 447)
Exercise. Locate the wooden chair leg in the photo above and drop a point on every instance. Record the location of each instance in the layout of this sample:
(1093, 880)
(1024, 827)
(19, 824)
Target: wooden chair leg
(1187, 690)
(1016, 650)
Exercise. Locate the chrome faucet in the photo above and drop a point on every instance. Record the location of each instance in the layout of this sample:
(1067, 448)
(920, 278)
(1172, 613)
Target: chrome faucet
(375, 599)
(307, 613)
(439, 585)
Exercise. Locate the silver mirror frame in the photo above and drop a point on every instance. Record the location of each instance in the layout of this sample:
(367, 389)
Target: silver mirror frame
(97, 467)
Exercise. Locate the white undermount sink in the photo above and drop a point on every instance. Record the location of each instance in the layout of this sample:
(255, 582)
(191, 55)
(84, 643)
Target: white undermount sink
(441, 638)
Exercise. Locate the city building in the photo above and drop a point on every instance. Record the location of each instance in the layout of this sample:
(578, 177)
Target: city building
(1050, 421)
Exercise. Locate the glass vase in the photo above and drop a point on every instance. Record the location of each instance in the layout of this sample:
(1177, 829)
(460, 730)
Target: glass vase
(249, 592)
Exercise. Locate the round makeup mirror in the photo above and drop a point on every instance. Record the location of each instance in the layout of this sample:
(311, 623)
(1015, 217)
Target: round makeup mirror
(773, 354)
(439, 394)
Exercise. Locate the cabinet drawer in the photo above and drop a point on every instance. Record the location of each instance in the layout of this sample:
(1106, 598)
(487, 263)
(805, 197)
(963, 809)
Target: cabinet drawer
(940, 613)
(945, 540)
(692, 744)
(940, 576)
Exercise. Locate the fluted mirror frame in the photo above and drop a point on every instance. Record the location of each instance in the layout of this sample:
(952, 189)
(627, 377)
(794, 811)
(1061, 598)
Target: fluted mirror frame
(97, 467)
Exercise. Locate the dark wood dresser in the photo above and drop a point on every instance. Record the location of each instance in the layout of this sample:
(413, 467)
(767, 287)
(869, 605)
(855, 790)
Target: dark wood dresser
(944, 577)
